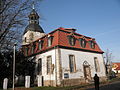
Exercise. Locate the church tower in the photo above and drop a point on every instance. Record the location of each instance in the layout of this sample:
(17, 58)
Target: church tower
(33, 31)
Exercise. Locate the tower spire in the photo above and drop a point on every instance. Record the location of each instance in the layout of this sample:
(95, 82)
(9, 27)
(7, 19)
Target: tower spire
(35, 29)
(33, 6)
(33, 17)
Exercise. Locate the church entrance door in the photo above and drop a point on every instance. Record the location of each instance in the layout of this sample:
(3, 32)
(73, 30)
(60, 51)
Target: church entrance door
(87, 71)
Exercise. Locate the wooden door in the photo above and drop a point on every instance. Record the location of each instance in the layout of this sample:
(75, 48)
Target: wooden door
(87, 72)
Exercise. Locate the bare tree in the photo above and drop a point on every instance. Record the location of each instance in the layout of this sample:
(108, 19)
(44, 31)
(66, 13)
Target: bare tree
(108, 62)
(12, 20)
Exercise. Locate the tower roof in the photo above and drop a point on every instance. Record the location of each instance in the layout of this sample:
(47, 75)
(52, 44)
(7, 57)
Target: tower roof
(33, 22)
(34, 27)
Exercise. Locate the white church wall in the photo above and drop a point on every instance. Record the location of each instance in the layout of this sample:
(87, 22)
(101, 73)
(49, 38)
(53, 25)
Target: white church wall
(44, 56)
(36, 35)
(80, 57)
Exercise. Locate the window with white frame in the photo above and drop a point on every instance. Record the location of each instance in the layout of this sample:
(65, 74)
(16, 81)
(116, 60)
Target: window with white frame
(96, 62)
(72, 64)
(49, 65)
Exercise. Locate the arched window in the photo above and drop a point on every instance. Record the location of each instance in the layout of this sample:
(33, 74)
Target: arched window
(32, 18)
(71, 40)
(85, 63)
(82, 42)
(97, 68)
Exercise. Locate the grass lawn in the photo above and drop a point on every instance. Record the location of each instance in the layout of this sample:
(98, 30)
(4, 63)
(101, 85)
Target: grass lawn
(52, 88)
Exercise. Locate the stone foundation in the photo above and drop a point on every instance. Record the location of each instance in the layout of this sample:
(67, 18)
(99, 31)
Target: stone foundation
(49, 83)
(103, 79)
(73, 82)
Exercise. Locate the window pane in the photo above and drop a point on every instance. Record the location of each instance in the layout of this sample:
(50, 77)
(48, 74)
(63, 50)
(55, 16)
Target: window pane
(71, 40)
(40, 66)
(33, 47)
(40, 45)
(92, 44)
(50, 41)
(49, 64)
(97, 68)
(72, 63)
(82, 42)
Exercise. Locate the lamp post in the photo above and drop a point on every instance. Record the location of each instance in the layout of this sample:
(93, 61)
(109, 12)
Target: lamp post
(14, 65)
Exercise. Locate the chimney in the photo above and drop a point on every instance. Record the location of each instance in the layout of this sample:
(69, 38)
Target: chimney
(72, 30)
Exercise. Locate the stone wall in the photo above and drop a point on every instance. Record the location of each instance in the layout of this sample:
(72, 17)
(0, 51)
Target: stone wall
(49, 83)
(73, 82)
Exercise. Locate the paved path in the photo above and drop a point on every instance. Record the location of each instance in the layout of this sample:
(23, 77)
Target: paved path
(110, 86)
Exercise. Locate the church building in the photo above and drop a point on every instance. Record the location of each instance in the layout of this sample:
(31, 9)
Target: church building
(63, 57)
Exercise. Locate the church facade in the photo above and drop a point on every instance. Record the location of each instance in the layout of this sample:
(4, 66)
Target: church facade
(63, 57)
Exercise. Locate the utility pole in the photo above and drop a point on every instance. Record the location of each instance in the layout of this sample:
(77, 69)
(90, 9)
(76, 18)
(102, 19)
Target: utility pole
(14, 66)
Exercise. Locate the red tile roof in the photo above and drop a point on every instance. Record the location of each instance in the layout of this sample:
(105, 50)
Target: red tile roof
(116, 66)
(60, 39)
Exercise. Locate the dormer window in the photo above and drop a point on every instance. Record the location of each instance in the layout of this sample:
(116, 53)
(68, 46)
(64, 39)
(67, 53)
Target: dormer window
(92, 44)
(50, 39)
(40, 45)
(71, 40)
(96, 62)
(82, 42)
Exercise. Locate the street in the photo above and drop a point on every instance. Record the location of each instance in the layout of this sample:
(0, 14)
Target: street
(111, 86)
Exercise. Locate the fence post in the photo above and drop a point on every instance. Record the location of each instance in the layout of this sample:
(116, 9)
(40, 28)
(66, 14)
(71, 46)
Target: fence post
(27, 81)
(5, 83)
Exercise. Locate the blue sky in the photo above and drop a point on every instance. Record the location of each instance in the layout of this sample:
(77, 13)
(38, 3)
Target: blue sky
(99, 19)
